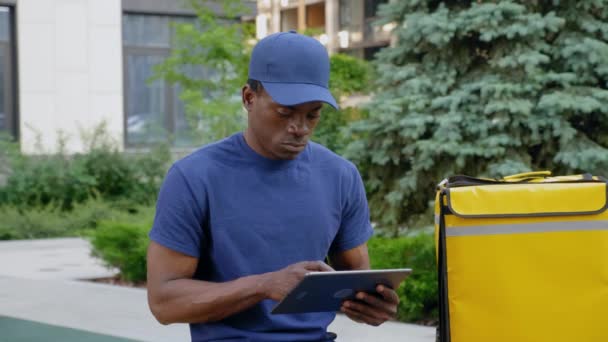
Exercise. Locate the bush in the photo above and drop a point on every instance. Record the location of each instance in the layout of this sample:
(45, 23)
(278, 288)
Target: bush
(418, 294)
(50, 221)
(39, 181)
(63, 180)
(119, 176)
(349, 76)
(36, 223)
(122, 243)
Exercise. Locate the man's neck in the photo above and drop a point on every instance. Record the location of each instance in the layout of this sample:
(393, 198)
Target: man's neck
(252, 141)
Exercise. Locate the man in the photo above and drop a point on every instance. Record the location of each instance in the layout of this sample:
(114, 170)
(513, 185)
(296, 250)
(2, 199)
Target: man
(241, 221)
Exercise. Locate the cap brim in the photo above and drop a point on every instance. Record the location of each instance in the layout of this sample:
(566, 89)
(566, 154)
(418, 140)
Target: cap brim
(291, 94)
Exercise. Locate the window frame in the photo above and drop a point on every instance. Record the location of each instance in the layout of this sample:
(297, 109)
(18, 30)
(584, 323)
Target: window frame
(170, 114)
(11, 75)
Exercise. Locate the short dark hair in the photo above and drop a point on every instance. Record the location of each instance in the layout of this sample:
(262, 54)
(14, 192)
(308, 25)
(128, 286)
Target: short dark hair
(255, 85)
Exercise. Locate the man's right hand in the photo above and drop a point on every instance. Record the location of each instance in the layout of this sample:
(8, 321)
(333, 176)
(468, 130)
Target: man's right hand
(278, 284)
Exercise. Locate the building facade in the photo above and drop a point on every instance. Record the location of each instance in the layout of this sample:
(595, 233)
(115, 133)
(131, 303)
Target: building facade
(67, 66)
(341, 25)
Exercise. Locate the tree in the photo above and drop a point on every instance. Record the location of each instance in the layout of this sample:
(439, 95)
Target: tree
(484, 89)
(209, 61)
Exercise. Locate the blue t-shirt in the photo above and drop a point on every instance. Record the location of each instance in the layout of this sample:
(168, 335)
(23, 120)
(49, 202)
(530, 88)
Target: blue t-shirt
(242, 214)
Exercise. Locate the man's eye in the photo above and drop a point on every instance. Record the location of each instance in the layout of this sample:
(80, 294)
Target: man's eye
(284, 112)
(313, 116)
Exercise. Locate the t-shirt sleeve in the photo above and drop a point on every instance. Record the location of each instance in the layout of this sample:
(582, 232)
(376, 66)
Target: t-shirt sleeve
(355, 227)
(180, 215)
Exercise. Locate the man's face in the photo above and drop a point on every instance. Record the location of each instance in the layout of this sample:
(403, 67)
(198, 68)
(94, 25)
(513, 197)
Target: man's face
(276, 131)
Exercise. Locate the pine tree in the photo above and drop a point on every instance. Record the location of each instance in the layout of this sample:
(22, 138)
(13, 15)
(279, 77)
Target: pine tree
(485, 89)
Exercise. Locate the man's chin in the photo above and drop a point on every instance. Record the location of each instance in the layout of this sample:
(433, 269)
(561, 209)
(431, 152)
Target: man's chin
(289, 155)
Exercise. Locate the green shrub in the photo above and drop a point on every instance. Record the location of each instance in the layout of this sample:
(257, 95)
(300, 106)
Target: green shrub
(42, 222)
(418, 294)
(50, 221)
(63, 180)
(38, 181)
(122, 243)
(349, 75)
(126, 176)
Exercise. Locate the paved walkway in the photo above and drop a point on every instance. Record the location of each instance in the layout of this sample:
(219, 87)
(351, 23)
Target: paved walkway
(67, 259)
(38, 283)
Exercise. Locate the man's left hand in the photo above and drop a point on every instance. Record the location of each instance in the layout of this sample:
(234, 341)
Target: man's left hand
(371, 309)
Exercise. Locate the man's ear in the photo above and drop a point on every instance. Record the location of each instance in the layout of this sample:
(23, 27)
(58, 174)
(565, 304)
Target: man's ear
(248, 96)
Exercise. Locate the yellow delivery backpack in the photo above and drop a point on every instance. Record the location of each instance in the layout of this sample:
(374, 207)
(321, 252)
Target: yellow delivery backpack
(523, 259)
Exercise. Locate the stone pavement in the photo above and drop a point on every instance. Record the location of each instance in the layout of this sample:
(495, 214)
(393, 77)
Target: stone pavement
(67, 259)
(38, 283)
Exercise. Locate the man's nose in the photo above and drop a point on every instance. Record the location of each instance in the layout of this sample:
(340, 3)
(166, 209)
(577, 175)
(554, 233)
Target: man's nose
(298, 126)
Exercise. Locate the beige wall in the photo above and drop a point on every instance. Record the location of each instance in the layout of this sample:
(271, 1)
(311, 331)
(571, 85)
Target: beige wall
(70, 70)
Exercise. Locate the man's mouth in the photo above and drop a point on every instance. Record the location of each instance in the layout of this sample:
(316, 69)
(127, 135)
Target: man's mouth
(295, 147)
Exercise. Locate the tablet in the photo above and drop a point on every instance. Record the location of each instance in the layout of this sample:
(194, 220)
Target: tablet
(325, 291)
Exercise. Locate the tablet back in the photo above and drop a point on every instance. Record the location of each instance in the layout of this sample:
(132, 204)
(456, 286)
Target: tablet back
(325, 291)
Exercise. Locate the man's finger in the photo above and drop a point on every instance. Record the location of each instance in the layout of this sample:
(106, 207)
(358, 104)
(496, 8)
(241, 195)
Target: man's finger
(326, 267)
(388, 294)
(380, 303)
(360, 318)
(318, 266)
(369, 313)
(353, 316)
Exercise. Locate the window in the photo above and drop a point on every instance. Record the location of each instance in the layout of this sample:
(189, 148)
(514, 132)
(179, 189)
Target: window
(153, 111)
(8, 119)
(371, 7)
(344, 14)
(371, 32)
(289, 19)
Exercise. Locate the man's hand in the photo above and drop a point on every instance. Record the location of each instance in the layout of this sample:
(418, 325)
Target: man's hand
(278, 284)
(371, 309)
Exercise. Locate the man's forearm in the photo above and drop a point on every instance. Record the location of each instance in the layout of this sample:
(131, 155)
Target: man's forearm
(353, 259)
(195, 301)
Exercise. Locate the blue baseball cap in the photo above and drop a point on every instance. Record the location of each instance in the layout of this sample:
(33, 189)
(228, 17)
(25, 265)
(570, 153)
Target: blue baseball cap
(293, 69)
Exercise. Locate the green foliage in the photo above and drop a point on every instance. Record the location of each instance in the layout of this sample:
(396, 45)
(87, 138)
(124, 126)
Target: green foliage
(120, 176)
(48, 222)
(123, 244)
(485, 89)
(331, 131)
(63, 180)
(349, 75)
(9, 150)
(313, 31)
(46, 180)
(418, 294)
(36, 223)
(209, 61)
